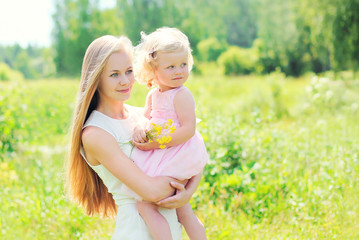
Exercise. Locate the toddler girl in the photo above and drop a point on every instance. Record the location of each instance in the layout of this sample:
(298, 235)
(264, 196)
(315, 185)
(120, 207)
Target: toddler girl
(164, 59)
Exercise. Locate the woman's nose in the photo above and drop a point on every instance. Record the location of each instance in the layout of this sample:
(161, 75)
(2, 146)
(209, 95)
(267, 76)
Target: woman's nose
(124, 80)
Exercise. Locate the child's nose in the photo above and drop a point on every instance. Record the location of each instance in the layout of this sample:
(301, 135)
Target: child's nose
(178, 71)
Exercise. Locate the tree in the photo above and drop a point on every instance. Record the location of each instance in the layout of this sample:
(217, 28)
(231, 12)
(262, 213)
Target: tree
(346, 35)
(140, 15)
(77, 23)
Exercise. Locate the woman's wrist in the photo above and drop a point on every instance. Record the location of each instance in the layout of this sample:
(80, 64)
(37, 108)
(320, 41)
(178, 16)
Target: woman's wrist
(192, 185)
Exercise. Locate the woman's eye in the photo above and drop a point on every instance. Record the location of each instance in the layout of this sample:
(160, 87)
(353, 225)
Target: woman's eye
(114, 75)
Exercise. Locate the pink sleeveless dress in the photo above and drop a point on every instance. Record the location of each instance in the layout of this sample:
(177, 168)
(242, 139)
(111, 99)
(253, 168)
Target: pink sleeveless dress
(182, 161)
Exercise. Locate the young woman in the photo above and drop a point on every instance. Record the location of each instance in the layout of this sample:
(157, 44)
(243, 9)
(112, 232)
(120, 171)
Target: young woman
(98, 165)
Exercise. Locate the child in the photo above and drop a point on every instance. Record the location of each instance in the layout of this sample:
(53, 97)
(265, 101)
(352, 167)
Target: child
(163, 58)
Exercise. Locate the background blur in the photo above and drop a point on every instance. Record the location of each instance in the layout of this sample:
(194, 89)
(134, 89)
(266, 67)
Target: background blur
(241, 36)
(276, 85)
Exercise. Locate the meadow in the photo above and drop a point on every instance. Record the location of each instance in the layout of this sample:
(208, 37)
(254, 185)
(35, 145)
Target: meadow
(284, 158)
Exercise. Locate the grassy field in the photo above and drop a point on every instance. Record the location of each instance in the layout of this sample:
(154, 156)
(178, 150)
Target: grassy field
(284, 159)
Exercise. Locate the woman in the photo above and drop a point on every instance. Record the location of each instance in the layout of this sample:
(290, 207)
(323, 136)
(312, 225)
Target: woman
(99, 160)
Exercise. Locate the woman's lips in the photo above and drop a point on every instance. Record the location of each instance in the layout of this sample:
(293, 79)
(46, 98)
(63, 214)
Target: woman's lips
(124, 90)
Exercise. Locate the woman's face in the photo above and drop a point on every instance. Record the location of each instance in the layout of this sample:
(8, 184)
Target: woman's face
(117, 78)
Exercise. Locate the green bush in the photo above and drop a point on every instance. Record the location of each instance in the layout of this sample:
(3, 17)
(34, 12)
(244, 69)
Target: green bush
(267, 59)
(236, 61)
(210, 49)
(323, 95)
(6, 73)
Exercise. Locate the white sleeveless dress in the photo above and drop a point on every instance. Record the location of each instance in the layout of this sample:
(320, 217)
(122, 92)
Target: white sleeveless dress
(129, 224)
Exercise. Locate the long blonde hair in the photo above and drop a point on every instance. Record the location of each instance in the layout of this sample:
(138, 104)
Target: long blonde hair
(84, 185)
(163, 40)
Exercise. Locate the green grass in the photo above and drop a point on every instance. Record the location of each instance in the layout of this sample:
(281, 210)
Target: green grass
(284, 159)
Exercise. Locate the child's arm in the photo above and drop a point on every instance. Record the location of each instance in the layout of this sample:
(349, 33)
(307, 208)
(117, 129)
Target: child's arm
(148, 104)
(185, 108)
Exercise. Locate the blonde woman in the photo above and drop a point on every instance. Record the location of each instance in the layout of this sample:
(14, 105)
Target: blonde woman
(98, 163)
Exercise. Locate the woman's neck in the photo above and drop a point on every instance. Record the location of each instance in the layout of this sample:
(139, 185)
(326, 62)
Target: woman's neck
(115, 110)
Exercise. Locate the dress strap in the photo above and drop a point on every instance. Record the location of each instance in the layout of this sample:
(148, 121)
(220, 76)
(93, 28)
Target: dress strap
(173, 92)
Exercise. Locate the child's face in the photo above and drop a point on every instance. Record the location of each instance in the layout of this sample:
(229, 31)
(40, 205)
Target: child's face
(171, 70)
(117, 78)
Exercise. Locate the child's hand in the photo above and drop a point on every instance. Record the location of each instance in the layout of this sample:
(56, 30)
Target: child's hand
(146, 146)
(139, 135)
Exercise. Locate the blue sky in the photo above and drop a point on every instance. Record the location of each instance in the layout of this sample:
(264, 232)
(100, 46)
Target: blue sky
(28, 21)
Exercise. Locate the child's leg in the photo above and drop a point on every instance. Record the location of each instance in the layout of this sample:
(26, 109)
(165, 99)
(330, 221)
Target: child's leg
(156, 223)
(193, 226)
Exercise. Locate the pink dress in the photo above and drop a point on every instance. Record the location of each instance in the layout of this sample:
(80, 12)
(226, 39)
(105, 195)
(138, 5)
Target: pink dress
(182, 161)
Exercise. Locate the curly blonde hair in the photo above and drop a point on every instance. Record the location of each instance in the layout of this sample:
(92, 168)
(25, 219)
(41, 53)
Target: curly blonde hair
(165, 40)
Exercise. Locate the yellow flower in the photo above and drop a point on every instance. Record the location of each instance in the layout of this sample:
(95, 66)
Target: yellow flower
(172, 129)
(160, 133)
(158, 129)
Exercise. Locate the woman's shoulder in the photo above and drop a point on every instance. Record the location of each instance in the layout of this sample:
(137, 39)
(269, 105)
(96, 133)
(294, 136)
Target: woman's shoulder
(101, 122)
(97, 118)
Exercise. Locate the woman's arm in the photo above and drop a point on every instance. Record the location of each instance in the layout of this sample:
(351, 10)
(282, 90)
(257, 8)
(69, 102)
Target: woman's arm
(183, 194)
(102, 148)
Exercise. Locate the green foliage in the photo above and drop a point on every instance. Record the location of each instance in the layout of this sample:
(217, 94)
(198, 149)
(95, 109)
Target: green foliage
(32, 62)
(328, 96)
(346, 35)
(24, 116)
(293, 36)
(240, 21)
(283, 159)
(210, 49)
(76, 25)
(6, 73)
(237, 60)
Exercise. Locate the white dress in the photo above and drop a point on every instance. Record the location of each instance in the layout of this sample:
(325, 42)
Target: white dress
(129, 224)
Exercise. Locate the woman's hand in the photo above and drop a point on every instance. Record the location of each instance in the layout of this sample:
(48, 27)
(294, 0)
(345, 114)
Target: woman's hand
(183, 194)
(178, 200)
(163, 187)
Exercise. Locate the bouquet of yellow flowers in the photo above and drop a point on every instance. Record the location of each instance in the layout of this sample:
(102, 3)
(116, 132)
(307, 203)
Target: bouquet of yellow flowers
(160, 133)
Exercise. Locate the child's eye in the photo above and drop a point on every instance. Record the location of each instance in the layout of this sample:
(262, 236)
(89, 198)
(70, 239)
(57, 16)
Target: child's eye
(114, 75)
(170, 67)
(129, 71)
(183, 64)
